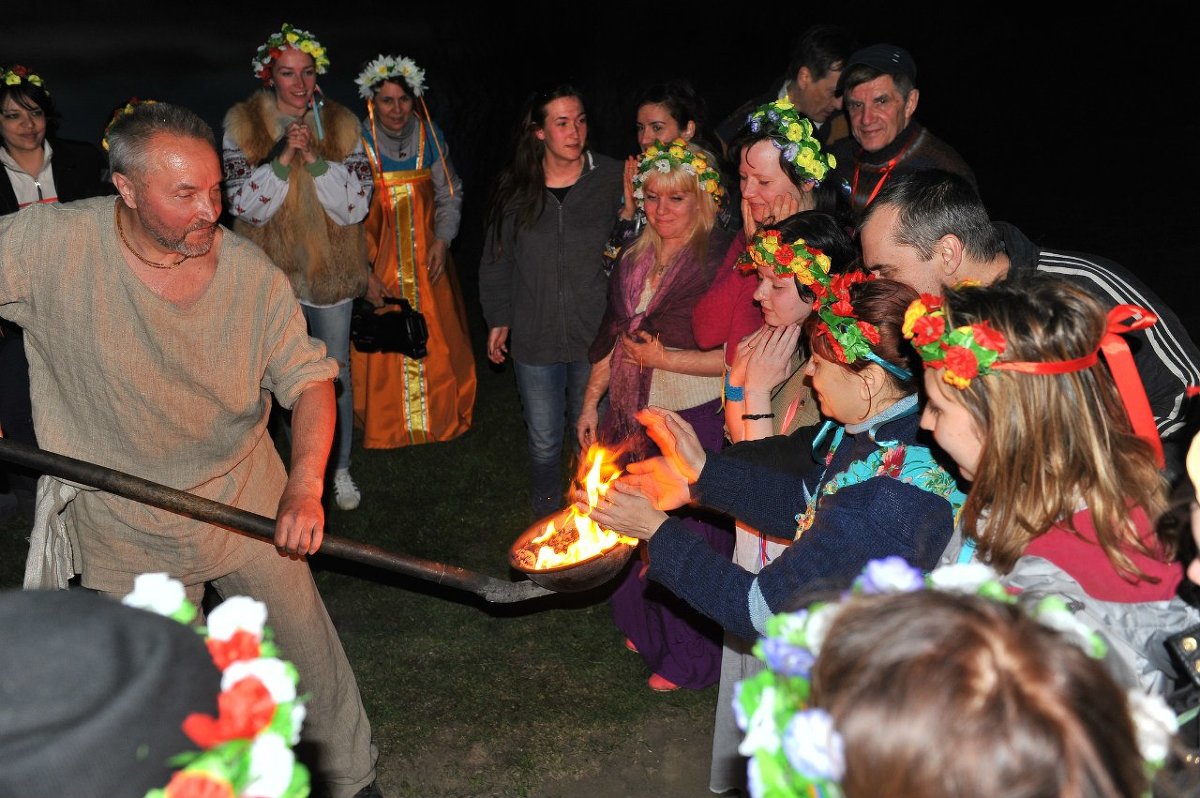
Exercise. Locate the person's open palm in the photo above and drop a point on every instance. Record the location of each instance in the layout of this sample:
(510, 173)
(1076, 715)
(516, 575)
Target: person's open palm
(676, 440)
(660, 481)
(627, 510)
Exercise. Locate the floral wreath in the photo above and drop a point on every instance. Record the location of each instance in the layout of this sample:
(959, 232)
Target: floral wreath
(850, 337)
(247, 748)
(974, 350)
(662, 158)
(768, 249)
(966, 352)
(120, 114)
(793, 135)
(387, 66)
(287, 37)
(795, 749)
(16, 74)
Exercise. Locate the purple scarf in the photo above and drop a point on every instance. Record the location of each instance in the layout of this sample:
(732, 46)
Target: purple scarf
(668, 316)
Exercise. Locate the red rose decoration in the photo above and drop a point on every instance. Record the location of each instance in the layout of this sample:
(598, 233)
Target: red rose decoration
(843, 307)
(989, 338)
(833, 344)
(243, 645)
(928, 329)
(869, 331)
(962, 362)
(197, 785)
(243, 711)
(931, 302)
(784, 255)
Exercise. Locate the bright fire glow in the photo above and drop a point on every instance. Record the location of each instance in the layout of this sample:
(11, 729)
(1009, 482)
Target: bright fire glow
(592, 539)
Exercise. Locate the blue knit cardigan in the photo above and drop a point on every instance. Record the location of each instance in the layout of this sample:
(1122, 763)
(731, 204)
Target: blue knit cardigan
(876, 518)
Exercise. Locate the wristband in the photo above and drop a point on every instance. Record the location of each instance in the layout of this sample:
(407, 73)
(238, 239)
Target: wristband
(756, 416)
(734, 393)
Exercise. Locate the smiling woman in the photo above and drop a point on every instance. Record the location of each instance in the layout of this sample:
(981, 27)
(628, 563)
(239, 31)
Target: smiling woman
(645, 353)
(542, 276)
(298, 183)
(38, 168)
(415, 212)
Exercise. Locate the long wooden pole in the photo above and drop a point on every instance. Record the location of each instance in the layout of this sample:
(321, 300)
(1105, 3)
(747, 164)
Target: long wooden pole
(222, 515)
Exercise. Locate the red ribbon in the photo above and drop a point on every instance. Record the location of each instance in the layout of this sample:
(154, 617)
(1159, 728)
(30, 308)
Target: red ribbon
(1125, 373)
(1122, 319)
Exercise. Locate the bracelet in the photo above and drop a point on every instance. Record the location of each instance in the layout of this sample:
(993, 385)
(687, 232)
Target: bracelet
(756, 416)
(734, 393)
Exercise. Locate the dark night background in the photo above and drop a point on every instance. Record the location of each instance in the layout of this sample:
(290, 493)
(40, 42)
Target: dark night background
(1066, 123)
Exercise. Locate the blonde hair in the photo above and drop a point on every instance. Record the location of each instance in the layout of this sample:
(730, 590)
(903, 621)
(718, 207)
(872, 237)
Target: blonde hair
(1051, 442)
(677, 180)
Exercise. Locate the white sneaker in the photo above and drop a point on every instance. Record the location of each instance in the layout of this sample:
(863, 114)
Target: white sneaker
(345, 492)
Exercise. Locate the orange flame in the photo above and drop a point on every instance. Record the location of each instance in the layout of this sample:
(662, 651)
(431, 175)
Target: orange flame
(592, 539)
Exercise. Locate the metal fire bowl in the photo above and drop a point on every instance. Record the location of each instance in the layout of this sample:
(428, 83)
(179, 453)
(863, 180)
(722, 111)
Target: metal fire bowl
(574, 577)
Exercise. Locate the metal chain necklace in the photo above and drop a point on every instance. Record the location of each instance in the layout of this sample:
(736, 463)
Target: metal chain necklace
(138, 255)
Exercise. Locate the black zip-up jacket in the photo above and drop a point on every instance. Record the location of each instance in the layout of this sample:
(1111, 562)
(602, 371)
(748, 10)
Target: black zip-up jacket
(547, 282)
(1167, 358)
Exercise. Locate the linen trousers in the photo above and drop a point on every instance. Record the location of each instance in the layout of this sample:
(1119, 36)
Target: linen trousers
(336, 731)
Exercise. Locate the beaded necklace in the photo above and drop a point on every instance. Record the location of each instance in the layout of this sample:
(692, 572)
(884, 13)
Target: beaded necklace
(138, 255)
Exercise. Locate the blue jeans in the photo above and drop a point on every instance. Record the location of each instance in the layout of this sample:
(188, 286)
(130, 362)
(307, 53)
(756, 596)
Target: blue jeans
(332, 325)
(551, 396)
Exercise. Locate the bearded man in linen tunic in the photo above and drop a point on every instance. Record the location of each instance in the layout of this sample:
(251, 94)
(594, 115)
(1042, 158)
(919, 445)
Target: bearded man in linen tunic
(155, 340)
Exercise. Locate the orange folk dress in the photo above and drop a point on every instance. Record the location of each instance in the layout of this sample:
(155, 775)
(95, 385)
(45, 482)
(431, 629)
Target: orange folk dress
(399, 401)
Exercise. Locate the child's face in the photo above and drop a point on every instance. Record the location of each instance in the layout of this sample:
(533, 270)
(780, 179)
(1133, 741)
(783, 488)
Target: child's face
(952, 425)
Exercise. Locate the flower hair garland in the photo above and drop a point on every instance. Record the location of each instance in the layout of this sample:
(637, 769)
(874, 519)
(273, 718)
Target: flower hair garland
(662, 158)
(793, 135)
(247, 748)
(121, 113)
(966, 352)
(795, 750)
(276, 43)
(17, 74)
(387, 66)
(850, 337)
(768, 249)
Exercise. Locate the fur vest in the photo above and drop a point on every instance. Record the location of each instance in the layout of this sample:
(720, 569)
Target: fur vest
(326, 262)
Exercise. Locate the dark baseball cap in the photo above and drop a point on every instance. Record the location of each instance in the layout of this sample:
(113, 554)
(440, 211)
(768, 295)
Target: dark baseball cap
(886, 58)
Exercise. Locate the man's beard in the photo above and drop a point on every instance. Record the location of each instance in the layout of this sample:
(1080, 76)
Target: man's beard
(180, 244)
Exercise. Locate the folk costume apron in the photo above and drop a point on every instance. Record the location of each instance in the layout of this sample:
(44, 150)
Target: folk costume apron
(399, 401)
